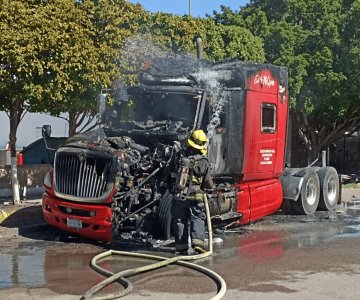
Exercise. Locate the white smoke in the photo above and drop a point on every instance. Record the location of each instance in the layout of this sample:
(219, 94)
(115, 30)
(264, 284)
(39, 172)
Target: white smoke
(139, 49)
(210, 81)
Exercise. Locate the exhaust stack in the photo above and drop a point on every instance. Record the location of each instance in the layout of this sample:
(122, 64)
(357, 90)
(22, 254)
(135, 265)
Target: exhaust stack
(199, 48)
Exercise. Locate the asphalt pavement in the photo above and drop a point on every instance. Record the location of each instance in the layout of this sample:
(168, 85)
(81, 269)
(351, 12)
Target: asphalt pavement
(27, 217)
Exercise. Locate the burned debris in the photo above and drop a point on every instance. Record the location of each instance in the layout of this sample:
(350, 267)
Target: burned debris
(124, 171)
(131, 157)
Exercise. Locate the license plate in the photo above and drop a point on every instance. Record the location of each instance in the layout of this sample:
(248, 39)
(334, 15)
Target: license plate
(74, 223)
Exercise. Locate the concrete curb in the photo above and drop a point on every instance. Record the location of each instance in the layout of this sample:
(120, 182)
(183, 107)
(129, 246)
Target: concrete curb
(6, 232)
(22, 219)
(4, 214)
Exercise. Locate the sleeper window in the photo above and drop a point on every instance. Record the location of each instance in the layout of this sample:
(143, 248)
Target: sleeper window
(268, 118)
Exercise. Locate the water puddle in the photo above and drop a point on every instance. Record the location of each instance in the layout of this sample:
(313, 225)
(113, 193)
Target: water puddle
(48, 267)
(64, 267)
(270, 238)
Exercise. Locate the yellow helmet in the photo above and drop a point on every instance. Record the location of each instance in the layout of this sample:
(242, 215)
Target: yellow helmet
(198, 140)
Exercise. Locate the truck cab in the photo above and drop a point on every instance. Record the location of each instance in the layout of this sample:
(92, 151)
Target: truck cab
(116, 180)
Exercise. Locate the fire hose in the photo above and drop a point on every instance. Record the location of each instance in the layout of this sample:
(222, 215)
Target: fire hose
(120, 277)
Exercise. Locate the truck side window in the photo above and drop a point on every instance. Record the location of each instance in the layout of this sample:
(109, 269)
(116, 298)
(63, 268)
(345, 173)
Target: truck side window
(268, 117)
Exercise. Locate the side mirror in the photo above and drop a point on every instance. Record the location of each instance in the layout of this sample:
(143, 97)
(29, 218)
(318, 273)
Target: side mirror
(46, 131)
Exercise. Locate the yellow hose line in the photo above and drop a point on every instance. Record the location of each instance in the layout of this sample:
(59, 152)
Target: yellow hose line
(163, 261)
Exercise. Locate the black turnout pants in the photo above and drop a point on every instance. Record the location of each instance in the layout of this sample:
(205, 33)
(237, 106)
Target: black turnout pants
(188, 217)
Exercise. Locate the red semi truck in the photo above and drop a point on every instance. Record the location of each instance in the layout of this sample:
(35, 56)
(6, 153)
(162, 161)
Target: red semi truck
(115, 181)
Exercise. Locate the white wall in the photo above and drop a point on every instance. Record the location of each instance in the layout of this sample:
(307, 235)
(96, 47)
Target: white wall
(29, 129)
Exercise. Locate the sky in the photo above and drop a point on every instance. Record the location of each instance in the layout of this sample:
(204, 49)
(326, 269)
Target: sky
(30, 127)
(199, 8)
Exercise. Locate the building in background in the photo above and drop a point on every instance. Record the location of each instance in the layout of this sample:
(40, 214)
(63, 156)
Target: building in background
(29, 129)
(36, 153)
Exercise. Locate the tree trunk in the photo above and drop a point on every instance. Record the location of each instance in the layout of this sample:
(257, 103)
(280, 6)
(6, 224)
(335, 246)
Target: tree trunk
(15, 117)
(15, 182)
(317, 138)
(80, 121)
(72, 123)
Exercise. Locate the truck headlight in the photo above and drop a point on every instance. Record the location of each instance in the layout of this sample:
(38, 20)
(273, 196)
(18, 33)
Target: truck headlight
(47, 180)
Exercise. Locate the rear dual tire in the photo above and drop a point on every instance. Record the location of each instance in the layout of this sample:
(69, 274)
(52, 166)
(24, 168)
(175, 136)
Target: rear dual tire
(329, 188)
(308, 200)
(319, 191)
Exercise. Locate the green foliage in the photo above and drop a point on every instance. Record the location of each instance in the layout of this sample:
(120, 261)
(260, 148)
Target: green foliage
(135, 53)
(178, 35)
(230, 41)
(57, 54)
(350, 185)
(61, 50)
(319, 42)
(350, 52)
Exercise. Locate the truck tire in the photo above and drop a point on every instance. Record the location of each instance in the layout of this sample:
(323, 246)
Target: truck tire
(164, 217)
(309, 195)
(329, 188)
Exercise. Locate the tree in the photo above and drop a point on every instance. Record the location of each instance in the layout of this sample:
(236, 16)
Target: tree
(67, 79)
(56, 55)
(231, 42)
(167, 35)
(89, 56)
(310, 38)
(178, 33)
(17, 65)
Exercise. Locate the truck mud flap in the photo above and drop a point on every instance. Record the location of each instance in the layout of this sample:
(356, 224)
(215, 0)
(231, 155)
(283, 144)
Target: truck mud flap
(291, 186)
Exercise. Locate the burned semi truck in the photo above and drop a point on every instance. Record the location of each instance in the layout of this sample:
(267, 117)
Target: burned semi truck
(117, 180)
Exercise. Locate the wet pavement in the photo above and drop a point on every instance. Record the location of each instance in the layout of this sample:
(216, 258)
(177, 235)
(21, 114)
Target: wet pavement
(279, 257)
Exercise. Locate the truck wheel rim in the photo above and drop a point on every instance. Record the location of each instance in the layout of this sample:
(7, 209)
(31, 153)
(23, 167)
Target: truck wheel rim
(310, 192)
(331, 190)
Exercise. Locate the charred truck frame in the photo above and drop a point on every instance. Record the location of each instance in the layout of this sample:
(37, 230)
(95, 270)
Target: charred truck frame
(116, 180)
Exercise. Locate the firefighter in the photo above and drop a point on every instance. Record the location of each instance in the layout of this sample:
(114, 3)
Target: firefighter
(192, 178)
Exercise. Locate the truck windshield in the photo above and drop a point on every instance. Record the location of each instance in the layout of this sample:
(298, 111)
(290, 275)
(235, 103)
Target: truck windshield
(155, 106)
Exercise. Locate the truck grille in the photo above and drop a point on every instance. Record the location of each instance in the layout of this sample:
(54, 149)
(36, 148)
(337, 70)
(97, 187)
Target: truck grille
(82, 173)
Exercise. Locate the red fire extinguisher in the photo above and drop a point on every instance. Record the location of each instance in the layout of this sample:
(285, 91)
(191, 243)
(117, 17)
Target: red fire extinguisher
(20, 158)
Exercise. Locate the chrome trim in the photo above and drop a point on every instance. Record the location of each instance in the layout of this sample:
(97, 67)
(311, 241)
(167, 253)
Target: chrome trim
(76, 175)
